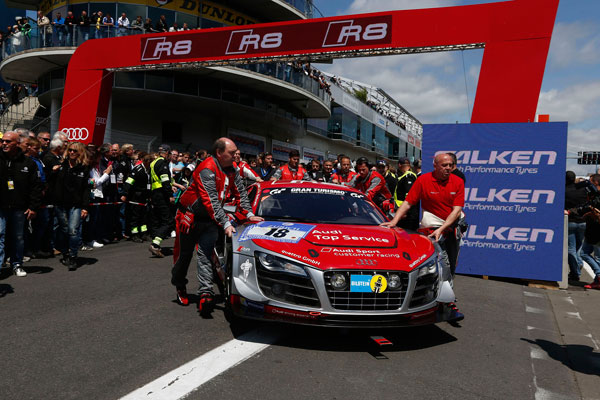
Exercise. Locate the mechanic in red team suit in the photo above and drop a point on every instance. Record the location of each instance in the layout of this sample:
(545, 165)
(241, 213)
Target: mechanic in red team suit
(200, 216)
(371, 183)
(292, 171)
(246, 172)
(442, 196)
(345, 174)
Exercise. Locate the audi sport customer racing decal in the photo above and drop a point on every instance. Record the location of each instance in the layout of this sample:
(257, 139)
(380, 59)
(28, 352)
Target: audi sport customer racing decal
(286, 232)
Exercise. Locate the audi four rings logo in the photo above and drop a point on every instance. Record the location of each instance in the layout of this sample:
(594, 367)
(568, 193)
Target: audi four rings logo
(76, 133)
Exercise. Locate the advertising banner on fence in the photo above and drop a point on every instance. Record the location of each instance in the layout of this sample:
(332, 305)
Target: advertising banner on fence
(248, 143)
(312, 154)
(514, 195)
(281, 150)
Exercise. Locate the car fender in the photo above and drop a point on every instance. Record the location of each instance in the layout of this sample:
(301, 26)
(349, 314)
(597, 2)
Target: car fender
(446, 293)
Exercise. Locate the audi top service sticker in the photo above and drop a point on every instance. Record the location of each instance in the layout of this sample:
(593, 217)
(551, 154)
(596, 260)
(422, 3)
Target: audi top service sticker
(286, 232)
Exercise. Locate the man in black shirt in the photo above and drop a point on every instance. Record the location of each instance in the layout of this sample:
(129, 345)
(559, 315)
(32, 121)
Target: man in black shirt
(266, 169)
(457, 171)
(20, 197)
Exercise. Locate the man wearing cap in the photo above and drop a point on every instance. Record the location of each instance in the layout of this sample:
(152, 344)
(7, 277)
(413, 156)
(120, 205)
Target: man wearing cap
(390, 178)
(200, 216)
(406, 178)
(161, 195)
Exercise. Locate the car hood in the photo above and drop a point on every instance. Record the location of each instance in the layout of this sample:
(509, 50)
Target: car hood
(352, 247)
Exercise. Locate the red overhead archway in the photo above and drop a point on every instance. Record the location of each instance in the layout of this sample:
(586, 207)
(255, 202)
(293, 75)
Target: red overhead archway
(515, 34)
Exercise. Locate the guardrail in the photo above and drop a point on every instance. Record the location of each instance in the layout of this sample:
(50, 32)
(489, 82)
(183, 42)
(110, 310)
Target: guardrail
(17, 113)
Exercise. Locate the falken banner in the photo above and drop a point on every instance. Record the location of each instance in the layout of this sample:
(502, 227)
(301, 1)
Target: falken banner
(514, 195)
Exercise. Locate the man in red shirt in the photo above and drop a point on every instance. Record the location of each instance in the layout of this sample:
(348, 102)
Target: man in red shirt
(442, 196)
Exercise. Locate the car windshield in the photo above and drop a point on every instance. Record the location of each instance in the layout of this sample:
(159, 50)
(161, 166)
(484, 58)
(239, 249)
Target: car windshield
(322, 205)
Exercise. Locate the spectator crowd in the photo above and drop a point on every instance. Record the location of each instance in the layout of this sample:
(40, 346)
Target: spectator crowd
(59, 197)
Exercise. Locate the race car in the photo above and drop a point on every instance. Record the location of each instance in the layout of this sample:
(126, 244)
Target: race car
(321, 258)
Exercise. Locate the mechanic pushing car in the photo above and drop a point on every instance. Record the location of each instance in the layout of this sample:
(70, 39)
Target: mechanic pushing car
(371, 183)
(200, 216)
(442, 196)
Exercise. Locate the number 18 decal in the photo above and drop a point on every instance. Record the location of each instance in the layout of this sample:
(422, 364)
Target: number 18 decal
(276, 231)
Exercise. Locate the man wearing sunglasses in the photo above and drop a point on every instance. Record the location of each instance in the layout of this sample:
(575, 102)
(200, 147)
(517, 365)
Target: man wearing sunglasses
(20, 197)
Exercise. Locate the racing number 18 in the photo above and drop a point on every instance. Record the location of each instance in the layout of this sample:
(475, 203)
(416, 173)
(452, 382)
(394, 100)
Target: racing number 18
(277, 232)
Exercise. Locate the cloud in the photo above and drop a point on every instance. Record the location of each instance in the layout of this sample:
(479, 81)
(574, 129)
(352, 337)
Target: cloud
(574, 104)
(407, 80)
(574, 43)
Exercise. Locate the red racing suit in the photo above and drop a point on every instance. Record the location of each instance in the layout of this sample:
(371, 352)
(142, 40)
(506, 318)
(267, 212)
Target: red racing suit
(373, 186)
(285, 173)
(211, 186)
(245, 171)
(344, 179)
(205, 197)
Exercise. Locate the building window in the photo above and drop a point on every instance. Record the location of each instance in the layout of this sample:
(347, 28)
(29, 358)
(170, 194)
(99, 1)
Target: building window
(172, 132)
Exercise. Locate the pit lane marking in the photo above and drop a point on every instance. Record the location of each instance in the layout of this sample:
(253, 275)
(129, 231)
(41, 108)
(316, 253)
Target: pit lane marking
(183, 380)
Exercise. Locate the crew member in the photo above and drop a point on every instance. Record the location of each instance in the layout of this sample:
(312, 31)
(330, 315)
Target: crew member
(370, 183)
(265, 170)
(315, 172)
(390, 178)
(161, 195)
(442, 196)
(406, 178)
(136, 191)
(246, 172)
(344, 174)
(292, 171)
(200, 216)
(327, 170)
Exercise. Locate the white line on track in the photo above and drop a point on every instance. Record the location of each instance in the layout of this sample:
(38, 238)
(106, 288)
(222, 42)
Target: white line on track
(183, 380)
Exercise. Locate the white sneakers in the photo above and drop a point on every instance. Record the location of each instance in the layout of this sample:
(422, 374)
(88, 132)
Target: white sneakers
(96, 245)
(20, 272)
(173, 234)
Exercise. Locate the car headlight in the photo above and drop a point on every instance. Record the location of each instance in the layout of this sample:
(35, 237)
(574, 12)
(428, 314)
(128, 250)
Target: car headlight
(394, 282)
(429, 267)
(338, 281)
(278, 264)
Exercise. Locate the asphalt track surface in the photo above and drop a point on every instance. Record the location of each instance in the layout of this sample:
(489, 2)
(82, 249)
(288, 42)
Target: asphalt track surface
(112, 326)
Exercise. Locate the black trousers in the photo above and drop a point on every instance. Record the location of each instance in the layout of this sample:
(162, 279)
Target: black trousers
(161, 214)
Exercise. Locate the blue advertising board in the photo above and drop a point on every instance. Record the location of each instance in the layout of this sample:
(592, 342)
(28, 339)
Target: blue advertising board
(514, 195)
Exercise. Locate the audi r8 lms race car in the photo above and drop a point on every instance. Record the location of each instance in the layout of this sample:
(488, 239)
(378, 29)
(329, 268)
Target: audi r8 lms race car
(321, 258)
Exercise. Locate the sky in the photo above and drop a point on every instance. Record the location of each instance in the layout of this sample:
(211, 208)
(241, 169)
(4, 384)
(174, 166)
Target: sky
(431, 86)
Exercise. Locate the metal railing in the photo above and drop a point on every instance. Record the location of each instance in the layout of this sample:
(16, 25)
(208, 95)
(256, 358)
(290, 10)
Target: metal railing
(73, 36)
(62, 36)
(17, 113)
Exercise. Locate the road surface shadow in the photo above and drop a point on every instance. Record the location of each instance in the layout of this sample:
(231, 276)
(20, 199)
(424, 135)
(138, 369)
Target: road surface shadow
(348, 340)
(579, 358)
(5, 289)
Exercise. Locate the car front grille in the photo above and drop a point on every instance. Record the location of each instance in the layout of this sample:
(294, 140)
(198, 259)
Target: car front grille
(425, 290)
(357, 301)
(287, 288)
